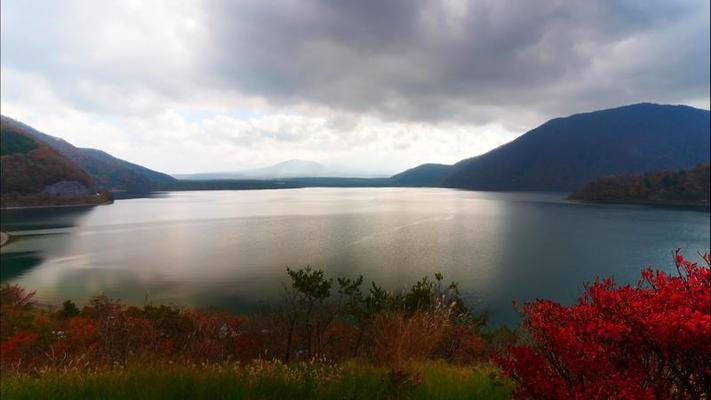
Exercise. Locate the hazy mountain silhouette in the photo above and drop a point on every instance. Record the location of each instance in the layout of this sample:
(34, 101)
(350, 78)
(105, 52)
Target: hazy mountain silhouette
(282, 170)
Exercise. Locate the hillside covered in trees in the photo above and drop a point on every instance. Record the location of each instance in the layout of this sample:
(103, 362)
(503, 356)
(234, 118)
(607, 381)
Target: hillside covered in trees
(684, 186)
(33, 174)
(106, 171)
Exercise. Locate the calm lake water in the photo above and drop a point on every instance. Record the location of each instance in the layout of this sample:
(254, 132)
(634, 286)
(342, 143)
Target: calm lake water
(229, 249)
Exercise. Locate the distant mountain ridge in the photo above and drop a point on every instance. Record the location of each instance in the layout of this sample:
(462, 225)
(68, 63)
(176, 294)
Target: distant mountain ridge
(283, 170)
(563, 154)
(107, 171)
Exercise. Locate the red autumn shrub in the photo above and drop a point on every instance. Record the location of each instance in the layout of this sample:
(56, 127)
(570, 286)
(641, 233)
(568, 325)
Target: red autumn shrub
(142, 338)
(76, 339)
(15, 347)
(462, 344)
(215, 336)
(81, 332)
(647, 341)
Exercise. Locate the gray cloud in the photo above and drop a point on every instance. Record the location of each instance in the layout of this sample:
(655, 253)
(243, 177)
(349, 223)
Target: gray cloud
(424, 60)
(384, 83)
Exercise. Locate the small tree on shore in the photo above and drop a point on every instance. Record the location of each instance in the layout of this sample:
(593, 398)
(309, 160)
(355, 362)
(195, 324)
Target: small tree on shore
(309, 289)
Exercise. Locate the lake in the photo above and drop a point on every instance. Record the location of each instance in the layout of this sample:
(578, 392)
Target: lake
(229, 249)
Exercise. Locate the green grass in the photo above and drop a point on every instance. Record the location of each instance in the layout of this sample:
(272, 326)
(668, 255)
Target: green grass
(263, 380)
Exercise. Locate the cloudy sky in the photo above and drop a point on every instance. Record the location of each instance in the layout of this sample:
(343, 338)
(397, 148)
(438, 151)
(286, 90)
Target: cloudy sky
(375, 86)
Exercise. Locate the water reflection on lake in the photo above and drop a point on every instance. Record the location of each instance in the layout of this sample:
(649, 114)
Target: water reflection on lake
(229, 249)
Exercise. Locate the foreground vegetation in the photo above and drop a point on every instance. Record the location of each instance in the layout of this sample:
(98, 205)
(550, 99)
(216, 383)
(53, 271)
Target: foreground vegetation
(334, 339)
(266, 380)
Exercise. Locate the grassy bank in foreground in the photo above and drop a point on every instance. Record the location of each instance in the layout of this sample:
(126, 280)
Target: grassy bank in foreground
(266, 380)
(643, 341)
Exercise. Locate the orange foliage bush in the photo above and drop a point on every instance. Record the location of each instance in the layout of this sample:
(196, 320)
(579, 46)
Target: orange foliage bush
(399, 338)
(420, 324)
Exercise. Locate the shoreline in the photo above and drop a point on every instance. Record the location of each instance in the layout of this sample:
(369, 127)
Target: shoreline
(57, 206)
(662, 204)
(4, 238)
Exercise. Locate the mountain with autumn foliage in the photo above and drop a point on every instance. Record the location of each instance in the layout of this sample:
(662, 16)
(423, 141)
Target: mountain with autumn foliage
(108, 172)
(34, 174)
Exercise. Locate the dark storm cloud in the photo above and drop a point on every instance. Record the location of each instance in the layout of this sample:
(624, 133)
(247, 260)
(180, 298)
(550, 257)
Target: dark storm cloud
(468, 61)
